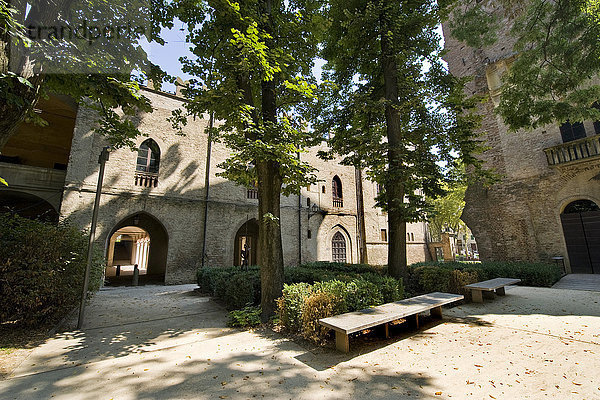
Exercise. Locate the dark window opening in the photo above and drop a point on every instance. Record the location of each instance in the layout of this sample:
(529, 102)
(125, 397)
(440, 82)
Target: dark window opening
(309, 234)
(336, 192)
(323, 189)
(307, 202)
(384, 237)
(570, 132)
(597, 123)
(252, 192)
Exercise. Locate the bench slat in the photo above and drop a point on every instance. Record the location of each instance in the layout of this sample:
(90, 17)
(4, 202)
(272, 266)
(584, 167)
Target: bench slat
(369, 317)
(493, 284)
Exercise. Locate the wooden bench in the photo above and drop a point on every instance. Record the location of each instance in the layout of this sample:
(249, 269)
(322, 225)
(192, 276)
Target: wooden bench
(345, 324)
(496, 284)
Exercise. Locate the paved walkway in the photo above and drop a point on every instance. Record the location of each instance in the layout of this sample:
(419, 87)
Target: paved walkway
(158, 342)
(579, 282)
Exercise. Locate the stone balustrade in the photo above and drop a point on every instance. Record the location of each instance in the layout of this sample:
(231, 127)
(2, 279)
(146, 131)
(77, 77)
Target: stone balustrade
(577, 150)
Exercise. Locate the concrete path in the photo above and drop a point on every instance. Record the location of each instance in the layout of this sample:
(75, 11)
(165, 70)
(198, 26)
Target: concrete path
(579, 282)
(167, 343)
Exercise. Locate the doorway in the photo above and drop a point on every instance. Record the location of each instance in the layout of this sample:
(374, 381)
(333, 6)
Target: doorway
(138, 239)
(246, 244)
(581, 227)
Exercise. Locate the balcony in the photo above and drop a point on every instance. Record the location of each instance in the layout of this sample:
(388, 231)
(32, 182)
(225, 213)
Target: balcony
(26, 177)
(587, 148)
(146, 179)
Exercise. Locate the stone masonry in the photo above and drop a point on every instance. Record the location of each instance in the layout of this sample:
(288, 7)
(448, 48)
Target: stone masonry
(519, 217)
(178, 201)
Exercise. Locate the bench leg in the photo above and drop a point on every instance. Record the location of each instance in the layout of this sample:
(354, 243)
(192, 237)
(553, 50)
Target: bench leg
(436, 312)
(500, 291)
(386, 330)
(477, 296)
(342, 342)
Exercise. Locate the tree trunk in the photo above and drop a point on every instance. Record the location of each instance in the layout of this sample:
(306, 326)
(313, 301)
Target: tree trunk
(269, 192)
(394, 183)
(269, 236)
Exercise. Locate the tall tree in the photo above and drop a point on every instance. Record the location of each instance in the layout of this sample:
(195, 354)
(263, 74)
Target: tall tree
(252, 65)
(90, 51)
(554, 76)
(393, 107)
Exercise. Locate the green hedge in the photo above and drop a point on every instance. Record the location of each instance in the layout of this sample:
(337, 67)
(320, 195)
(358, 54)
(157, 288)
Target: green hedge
(237, 288)
(302, 304)
(452, 276)
(41, 269)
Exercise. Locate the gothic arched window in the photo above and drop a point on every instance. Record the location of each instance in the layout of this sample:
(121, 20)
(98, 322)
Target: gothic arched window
(148, 161)
(336, 192)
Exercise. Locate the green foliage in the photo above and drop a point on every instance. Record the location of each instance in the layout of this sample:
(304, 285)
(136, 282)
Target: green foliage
(302, 304)
(289, 305)
(447, 210)
(450, 277)
(433, 120)
(237, 288)
(247, 317)
(554, 76)
(252, 67)
(41, 269)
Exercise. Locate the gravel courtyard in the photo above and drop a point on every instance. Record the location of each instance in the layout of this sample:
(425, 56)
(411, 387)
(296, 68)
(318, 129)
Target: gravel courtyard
(166, 342)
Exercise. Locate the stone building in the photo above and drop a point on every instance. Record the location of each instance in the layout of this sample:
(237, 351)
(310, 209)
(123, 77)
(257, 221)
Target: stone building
(164, 207)
(546, 205)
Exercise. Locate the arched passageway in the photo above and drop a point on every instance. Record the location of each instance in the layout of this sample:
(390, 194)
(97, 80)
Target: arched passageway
(246, 244)
(27, 205)
(138, 239)
(581, 227)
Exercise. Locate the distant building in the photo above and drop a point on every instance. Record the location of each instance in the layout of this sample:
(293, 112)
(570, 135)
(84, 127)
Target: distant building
(157, 211)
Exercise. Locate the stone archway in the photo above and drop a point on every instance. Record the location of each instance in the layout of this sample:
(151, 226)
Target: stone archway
(581, 227)
(145, 240)
(27, 205)
(246, 239)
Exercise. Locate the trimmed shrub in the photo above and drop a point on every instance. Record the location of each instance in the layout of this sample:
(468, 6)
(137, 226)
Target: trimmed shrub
(238, 288)
(41, 269)
(302, 305)
(289, 305)
(453, 276)
(318, 305)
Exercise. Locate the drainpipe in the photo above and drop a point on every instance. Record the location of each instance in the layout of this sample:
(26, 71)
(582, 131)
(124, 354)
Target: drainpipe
(207, 186)
(299, 223)
(360, 218)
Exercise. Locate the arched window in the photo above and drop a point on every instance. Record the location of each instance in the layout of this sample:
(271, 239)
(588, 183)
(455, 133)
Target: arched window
(148, 161)
(336, 192)
(338, 248)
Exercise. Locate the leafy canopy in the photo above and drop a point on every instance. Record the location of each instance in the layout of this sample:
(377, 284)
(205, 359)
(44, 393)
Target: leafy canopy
(239, 47)
(436, 118)
(554, 77)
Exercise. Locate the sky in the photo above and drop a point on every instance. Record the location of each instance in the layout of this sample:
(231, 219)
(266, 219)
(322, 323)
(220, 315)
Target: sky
(167, 56)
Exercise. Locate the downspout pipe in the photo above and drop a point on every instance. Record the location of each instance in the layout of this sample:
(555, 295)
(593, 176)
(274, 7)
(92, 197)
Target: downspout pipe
(207, 186)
